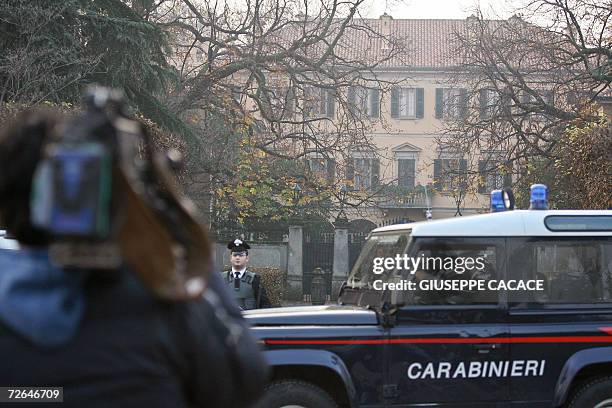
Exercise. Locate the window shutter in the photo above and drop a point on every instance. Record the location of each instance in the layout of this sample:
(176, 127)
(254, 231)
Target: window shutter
(411, 172)
(439, 103)
(309, 103)
(482, 177)
(462, 174)
(484, 102)
(395, 102)
(374, 103)
(420, 103)
(331, 103)
(308, 164)
(350, 169)
(331, 170)
(351, 98)
(548, 97)
(506, 103)
(289, 102)
(508, 175)
(463, 103)
(525, 98)
(375, 163)
(437, 174)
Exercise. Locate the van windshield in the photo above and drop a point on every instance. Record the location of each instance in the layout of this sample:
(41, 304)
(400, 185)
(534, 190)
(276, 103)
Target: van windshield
(387, 245)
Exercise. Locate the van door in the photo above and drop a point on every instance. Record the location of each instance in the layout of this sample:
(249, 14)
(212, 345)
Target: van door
(571, 313)
(447, 345)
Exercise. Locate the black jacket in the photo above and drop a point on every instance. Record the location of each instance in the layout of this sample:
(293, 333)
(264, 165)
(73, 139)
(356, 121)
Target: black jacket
(133, 350)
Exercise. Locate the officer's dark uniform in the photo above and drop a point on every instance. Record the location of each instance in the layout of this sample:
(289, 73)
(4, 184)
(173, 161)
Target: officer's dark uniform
(247, 289)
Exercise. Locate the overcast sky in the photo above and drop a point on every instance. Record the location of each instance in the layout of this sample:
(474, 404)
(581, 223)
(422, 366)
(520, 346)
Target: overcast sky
(438, 8)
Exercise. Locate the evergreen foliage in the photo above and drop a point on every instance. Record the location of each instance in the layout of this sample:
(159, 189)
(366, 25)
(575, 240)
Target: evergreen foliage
(52, 49)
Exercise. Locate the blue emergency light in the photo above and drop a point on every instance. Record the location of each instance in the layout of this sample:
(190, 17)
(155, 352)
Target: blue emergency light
(502, 200)
(538, 199)
(497, 201)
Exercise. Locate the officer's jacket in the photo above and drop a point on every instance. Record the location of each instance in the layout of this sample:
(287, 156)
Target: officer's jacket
(248, 291)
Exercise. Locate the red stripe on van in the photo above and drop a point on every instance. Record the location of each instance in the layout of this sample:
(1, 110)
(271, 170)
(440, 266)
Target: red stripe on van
(451, 340)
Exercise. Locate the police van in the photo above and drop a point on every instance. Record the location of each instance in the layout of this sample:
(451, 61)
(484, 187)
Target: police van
(536, 331)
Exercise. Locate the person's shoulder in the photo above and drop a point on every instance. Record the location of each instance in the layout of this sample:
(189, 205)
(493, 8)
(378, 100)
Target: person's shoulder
(252, 274)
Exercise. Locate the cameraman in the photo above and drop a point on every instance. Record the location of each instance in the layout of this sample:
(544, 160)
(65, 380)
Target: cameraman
(113, 335)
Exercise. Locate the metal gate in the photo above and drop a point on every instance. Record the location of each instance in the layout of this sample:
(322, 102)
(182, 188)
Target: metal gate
(318, 252)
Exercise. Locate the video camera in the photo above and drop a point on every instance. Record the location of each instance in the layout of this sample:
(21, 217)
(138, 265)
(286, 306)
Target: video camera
(72, 186)
(106, 197)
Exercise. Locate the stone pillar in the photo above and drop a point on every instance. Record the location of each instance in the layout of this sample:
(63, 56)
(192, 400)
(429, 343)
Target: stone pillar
(294, 262)
(341, 255)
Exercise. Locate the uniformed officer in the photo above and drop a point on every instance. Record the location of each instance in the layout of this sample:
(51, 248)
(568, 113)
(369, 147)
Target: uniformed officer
(246, 285)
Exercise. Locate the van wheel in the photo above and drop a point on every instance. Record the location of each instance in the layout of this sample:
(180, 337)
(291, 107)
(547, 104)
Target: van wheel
(594, 394)
(295, 394)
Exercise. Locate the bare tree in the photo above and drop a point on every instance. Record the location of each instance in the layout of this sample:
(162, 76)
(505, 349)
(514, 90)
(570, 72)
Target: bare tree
(277, 77)
(527, 79)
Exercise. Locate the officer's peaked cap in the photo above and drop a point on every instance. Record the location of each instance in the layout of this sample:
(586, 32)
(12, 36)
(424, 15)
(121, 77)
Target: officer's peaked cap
(238, 245)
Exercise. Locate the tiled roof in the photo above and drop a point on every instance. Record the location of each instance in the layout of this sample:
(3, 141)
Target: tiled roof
(425, 43)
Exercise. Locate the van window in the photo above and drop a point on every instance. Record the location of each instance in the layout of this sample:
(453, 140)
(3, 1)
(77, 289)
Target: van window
(454, 259)
(377, 246)
(573, 270)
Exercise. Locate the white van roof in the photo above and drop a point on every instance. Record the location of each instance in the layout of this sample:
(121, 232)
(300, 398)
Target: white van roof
(502, 224)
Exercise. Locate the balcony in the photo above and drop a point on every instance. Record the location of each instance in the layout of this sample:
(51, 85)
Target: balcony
(391, 197)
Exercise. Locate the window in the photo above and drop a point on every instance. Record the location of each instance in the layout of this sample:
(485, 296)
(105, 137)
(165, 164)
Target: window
(377, 246)
(364, 172)
(492, 176)
(450, 259)
(573, 270)
(407, 103)
(490, 101)
(279, 102)
(449, 174)
(451, 103)
(406, 169)
(322, 167)
(236, 94)
(534, 106)
(578, 222)
(319, 102)
(364, 101)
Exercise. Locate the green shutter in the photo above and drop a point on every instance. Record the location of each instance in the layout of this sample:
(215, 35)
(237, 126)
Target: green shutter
(375, 172)
(508, 175)
(439, 103)
(484, 103)
(482, 176)
(420, 103)
(350, 169)
(549, 97)
(351, 98)
(463, 103)
(331, 170)
(525, 98)
(308, 105)
(289, 102)
(506, 103)
(395, 102)
(374, 103)
(437, 174)
(331, 103)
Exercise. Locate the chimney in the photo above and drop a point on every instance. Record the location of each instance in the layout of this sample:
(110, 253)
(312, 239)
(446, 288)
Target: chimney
(385, 25)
